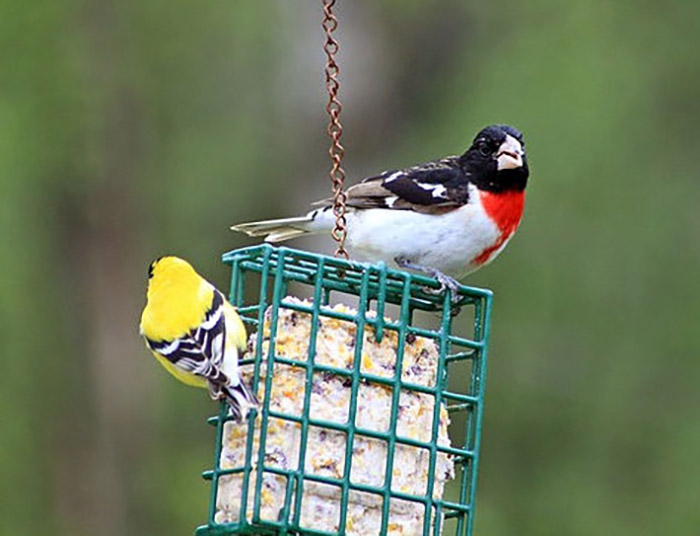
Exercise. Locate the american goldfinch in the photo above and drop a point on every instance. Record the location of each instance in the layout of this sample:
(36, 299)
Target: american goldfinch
(195, 333)
(446, 217)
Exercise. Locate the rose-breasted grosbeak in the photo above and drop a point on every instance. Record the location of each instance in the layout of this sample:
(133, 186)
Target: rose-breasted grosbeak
(446, 218)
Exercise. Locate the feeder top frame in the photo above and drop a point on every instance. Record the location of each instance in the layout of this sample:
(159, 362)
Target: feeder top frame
(385, 284)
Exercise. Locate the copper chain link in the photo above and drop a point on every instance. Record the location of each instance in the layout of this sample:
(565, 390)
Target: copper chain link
(335, 129)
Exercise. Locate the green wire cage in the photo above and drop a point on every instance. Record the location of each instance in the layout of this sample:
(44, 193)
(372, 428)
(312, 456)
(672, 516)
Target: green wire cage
(263, 278)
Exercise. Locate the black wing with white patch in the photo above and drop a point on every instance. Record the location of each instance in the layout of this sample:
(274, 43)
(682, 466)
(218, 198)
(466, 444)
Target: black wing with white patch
(434, 186)
(433, 183)
(201, 351)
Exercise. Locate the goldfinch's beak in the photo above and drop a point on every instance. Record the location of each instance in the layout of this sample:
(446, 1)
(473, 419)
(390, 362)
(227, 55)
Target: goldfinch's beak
(510, 154)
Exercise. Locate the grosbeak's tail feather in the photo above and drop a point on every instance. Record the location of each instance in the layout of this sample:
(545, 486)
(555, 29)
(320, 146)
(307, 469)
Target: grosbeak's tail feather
(281, 229)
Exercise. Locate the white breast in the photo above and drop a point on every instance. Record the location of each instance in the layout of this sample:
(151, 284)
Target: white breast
(448, 242)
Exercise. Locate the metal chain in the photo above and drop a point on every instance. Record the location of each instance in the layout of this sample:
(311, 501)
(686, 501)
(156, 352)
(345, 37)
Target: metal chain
(335, 129)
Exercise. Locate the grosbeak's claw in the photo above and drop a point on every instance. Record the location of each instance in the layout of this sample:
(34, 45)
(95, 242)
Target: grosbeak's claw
(446, 283)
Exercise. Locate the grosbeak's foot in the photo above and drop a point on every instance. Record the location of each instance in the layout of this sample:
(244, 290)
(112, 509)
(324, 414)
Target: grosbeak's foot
(446, 282)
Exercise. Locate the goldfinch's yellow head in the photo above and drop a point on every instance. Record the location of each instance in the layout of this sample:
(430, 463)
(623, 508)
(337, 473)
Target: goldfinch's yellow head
(177, 299)
(173, 275)
(170, 267)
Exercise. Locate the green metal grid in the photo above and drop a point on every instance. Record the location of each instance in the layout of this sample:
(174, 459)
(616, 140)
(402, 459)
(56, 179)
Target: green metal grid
(261, 277)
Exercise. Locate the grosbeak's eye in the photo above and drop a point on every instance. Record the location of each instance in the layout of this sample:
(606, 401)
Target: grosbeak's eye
(484, 148)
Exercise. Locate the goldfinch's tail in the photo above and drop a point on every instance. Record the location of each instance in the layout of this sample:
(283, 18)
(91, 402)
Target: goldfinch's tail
(286, 228)
(239, 398)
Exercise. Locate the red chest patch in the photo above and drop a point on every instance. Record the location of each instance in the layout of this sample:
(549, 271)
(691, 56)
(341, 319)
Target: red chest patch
(505, 210)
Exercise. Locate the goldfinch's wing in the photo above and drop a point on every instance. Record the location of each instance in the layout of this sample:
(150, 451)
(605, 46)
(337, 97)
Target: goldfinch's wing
(200, 351)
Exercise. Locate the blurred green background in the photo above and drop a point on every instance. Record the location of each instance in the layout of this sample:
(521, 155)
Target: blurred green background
(136, 128)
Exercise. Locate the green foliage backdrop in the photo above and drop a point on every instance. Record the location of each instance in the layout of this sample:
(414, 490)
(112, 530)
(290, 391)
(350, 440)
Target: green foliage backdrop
(135, 128)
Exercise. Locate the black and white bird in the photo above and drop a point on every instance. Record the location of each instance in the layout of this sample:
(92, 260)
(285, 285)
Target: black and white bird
(446, 218)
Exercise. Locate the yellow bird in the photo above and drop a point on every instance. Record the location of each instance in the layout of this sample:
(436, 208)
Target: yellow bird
(195, 333)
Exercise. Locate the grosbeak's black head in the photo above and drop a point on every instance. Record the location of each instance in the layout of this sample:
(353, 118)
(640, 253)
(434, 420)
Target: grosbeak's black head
(496, 160)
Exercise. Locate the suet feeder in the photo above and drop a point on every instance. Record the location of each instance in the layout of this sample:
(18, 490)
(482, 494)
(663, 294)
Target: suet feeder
(370, 415)
(367, 425)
